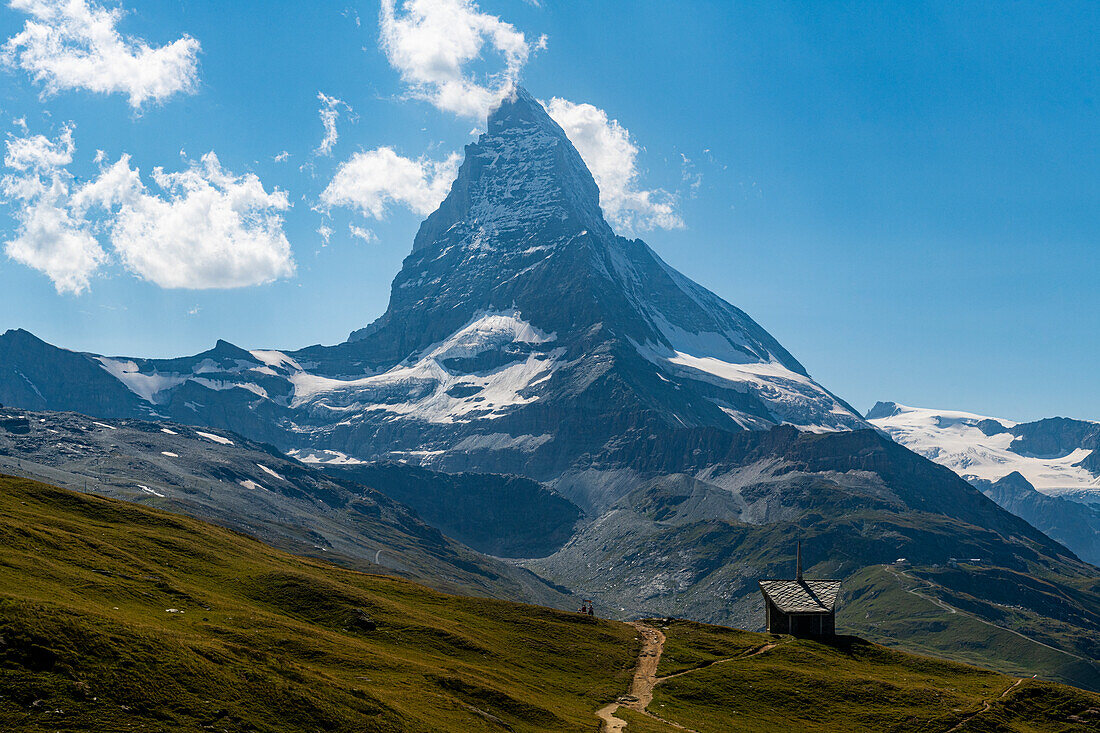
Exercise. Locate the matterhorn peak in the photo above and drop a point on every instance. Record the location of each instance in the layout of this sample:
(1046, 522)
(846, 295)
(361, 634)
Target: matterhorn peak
(522, 173)
(521, 237)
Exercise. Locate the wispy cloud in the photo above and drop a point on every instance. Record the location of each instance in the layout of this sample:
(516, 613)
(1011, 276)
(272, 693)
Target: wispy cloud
(690, 176)
(329, 112)
(612, 156)
(360, 233)
(74, 44)
(431, 43)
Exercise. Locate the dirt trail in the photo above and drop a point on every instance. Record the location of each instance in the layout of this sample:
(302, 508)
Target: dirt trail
(986, 705)
(763, 648)
(1012, 687)
(645, 679)
(641, 687)
(947, 607)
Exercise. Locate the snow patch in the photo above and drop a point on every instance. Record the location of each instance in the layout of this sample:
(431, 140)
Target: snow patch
(427, 390)
(147, 490)
(268, 471)
(215, 438)
(252, 485)
(311, 455)
(145, 386)
(221, 385)
(790, 397)
(276, 360)
(104, 425)
(168, 432)
(169, 453)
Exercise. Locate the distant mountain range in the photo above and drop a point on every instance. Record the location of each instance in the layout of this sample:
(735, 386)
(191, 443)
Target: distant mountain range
(1032, 469)
(1057, 455)
(671, 450)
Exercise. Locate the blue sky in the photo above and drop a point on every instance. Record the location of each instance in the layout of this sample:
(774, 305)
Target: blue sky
(905, 195)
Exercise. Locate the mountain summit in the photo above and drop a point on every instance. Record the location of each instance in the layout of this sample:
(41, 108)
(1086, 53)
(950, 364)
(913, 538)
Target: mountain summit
(519, 260)
(521, 333)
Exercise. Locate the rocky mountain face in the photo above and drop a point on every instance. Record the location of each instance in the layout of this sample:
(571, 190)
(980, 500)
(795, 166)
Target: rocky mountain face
(503, 516)
(1074, 524)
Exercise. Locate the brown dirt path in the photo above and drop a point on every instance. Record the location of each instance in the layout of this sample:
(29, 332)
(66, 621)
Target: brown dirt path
(641, 686)
(986, 705)
(645, 679)
(760, 650)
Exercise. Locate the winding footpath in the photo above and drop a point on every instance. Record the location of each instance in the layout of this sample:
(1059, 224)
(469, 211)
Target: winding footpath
(645, 679)
(986, 705)
(641, 687)
(951, 609)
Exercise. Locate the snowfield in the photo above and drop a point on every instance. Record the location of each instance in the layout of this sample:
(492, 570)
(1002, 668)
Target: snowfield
(953, 439)
(428, 390)
(791, 397)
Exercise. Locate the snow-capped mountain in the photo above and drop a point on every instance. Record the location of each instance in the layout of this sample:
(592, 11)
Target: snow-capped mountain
(1057, 456)
(524, 336)
(521, 333)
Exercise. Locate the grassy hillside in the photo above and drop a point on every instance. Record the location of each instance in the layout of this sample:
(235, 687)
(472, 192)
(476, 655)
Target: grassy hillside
(115, 616)
(913, 609)
(846, 685)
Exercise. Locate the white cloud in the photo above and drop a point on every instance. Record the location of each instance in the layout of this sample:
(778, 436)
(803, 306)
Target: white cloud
(354, 15)
(432, 42)
(74, 44)
(611, 155)
(326, 234)
(372, 180)
(281, 157)
(207, 229)
(39, 153)
(360, 233)
(49, 238)
(330, 112)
